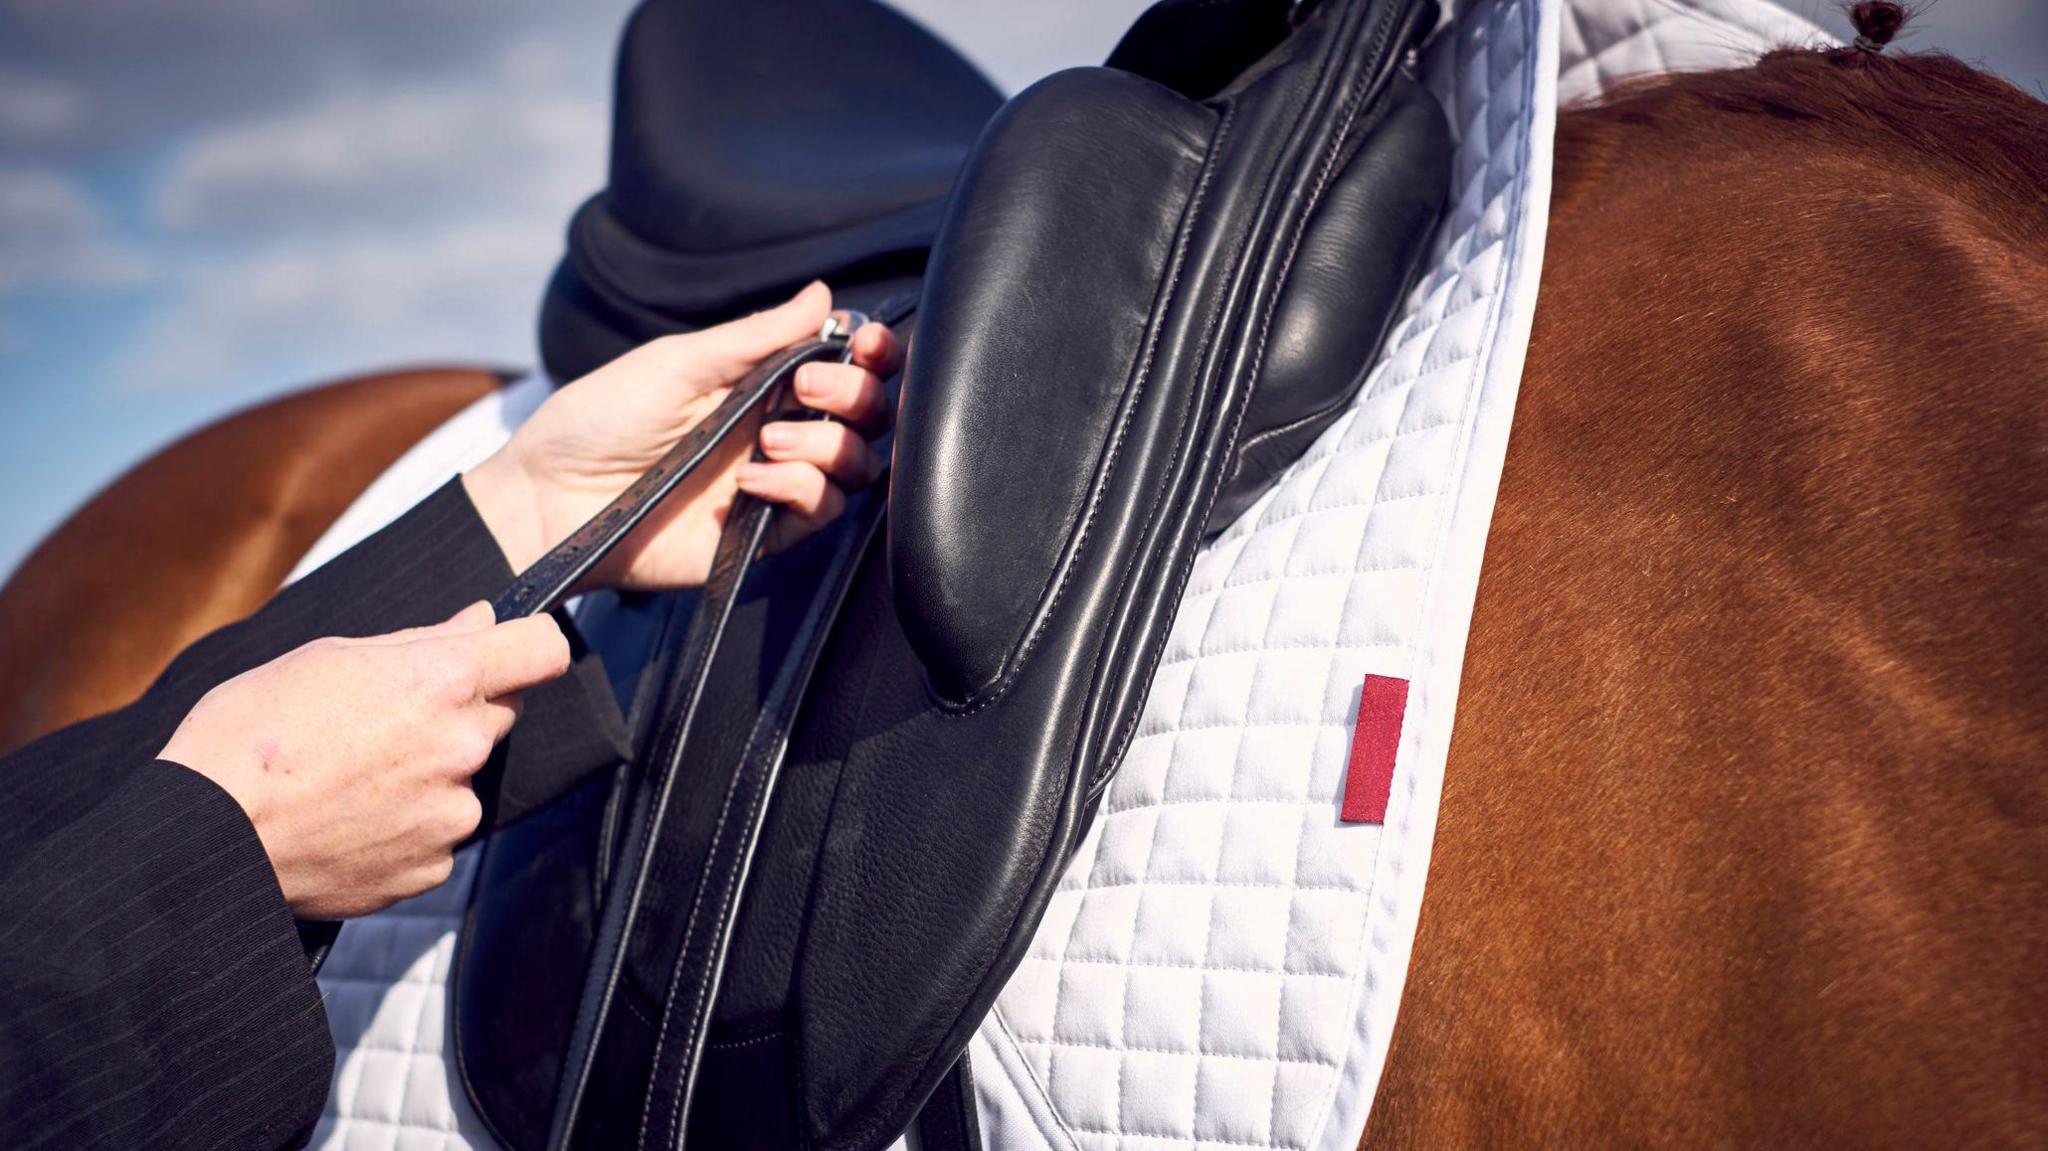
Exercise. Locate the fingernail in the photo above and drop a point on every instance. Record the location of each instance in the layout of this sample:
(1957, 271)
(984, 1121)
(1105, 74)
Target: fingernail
(775, 436)
(809, 386)
(750, 472)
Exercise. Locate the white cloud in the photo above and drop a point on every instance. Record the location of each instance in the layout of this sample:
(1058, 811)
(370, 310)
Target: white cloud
(349, 304)
(384, 224)
(380, 156)
(54, 234)
(149, 71)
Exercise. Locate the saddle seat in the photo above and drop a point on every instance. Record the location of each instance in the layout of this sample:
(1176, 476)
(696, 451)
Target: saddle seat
(758, 145)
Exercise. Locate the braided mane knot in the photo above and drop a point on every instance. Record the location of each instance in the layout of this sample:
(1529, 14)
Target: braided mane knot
(1876, 23)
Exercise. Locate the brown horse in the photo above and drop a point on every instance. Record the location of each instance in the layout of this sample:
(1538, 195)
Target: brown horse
(1744, 837)
(1744, 831)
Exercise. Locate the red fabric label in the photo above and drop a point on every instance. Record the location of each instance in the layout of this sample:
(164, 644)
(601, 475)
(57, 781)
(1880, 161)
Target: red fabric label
(1373, 743)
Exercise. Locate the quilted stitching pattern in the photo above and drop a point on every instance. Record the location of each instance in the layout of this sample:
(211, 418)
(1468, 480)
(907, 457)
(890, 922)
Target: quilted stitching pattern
(1196, 979)
(386, 991)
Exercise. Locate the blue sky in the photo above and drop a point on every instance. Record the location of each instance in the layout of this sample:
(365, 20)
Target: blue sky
(207, 202)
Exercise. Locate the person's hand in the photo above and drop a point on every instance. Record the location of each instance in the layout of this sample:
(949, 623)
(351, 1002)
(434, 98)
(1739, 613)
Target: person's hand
(353, 757)
(597, 435)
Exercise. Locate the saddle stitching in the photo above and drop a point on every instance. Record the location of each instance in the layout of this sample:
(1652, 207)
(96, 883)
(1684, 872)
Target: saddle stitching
(1195, 202)
(1299, 229)
(1176, 1138)
(1203, 351)
(711, 971)
(612, 933)
(635, 1010)
(676, 974)
(1162, 965)
(1002, 1023)
(750, 1041)
(1339, 405)
(847, 561)
(1091, 1045)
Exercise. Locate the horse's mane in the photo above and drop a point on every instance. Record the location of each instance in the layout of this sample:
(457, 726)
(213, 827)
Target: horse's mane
(1957, 128)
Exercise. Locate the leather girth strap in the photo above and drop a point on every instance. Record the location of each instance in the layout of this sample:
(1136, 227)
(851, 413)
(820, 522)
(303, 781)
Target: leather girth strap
(700, 927)
(948, 1121)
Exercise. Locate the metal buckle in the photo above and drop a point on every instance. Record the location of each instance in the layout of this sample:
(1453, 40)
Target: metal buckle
(841, 324)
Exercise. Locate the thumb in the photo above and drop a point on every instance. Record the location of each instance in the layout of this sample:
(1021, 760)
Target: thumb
(730, 349)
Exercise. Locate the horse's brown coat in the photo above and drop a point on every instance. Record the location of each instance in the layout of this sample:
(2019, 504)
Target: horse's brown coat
(198, 536)
(1744, 834)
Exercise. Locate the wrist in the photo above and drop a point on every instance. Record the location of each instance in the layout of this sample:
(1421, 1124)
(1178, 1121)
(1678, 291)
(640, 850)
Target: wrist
(228, 771)
(503, 495)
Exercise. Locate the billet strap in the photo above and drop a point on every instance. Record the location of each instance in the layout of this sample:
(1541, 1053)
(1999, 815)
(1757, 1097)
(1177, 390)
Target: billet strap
(542, 586)
(743, 784)
(746, 527)
(553, 577)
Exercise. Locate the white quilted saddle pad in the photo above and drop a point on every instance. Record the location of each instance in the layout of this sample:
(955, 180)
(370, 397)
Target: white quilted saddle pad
(1222, 964)
(1224, 960)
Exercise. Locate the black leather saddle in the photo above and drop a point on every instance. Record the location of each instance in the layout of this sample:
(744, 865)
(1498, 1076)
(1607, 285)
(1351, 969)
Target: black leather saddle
(1137, 293)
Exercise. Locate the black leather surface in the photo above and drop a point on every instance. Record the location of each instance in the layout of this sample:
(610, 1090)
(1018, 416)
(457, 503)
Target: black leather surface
(758, 145)
(1140, 308)
(510, 1032)
(952, 758)
(695, 865)
(1339, 297)
(1199, 47)
(1052, 265)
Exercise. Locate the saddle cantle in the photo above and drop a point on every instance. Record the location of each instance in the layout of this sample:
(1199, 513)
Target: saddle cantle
(758, 145)
(863, 767)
